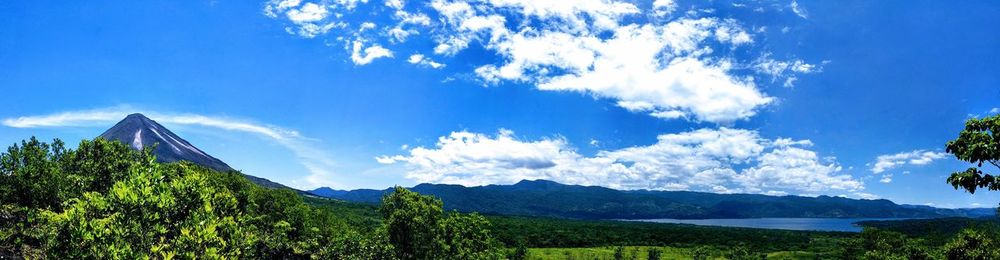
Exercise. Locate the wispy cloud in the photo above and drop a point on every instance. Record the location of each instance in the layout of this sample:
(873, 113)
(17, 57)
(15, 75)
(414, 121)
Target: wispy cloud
(799, 10)
(317, 161)
(69, 118)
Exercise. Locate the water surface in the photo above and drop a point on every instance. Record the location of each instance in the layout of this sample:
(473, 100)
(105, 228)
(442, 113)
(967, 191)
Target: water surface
(810, 224)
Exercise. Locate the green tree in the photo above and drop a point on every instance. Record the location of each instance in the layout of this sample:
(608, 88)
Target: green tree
(30, 175)
(653, 254)
(880, 244)
(619, 252)
(105, 200)
(417, 228)
(411, 221)
(979, 144)
(161, 211)
(743, 252)
(971, 244)
(97, 164)
(466, 236)
(701, 253)
(520, 251)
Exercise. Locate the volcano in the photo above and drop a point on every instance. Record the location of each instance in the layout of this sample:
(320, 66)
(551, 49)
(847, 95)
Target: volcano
(139, 132)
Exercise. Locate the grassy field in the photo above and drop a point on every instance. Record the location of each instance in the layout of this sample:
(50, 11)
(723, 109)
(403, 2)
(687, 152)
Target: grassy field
(640, 253)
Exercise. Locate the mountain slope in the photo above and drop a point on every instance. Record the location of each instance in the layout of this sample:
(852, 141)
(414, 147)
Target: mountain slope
(138, 131)
(551, 199)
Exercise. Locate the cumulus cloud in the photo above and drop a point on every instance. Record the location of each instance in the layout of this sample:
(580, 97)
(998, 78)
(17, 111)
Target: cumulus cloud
(917, 157)
(316, 160)
(716, 160)
(664, 7)
(310, 19)
(647, 59)
(362, 55)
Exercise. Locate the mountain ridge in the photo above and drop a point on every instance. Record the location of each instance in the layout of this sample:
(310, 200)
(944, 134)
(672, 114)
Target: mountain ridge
(543, 198)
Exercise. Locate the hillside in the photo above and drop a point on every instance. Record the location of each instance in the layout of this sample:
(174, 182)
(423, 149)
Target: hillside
(551, 199)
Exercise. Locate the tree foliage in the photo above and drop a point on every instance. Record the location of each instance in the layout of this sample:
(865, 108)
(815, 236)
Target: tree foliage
(972, 244)
(105, 200)
(880, 244)
(979, 144)
(653, 254)
(419, 229)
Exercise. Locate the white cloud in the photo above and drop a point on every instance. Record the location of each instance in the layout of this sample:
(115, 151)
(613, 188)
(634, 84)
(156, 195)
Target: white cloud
(310, 12)
(397, 4)
(995, 110)
(701, 160)
(788, 70)
(69, 118)
(313, 158)
(916, 157)
(362, 55)
(422, 60)
(274, 8)
(309, 19)
(793, 168)
(647, 61)
(867, 196)
(664, 7)
(799, 10)
(887, 178)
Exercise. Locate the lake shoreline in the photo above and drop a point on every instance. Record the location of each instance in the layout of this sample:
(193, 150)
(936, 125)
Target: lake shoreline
(797, 224)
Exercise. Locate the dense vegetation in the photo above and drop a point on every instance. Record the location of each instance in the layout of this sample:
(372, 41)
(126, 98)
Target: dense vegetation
(548, 232)
(104, 200)
(550, 199)
(936, 231)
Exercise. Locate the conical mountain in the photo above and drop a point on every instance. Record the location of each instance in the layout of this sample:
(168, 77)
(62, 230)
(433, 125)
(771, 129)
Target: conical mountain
(138, 131)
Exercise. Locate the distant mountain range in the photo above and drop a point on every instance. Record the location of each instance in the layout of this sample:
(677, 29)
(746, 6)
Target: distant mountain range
(551, 199)
(138, 131)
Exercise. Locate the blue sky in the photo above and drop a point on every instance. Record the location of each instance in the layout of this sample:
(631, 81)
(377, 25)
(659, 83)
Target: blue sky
(774, 97)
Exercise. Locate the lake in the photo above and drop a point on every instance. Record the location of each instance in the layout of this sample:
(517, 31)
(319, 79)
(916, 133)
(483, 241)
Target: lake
(812, 224)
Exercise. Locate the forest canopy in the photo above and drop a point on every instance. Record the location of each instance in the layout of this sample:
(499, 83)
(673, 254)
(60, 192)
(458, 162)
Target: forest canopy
(105, 200)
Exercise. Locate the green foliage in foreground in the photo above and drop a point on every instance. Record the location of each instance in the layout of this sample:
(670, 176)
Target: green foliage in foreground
(419, 229)
(979, 144)
(105, 200)
(881, 244)
(939, 231)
